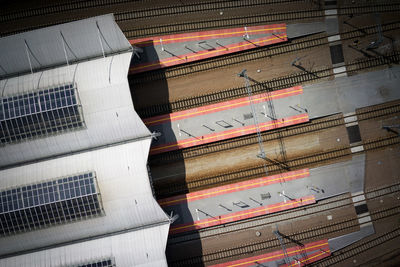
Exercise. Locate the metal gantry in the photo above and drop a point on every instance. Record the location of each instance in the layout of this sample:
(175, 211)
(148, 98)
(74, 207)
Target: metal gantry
(243, 74)
(286, 257)
(272, 116)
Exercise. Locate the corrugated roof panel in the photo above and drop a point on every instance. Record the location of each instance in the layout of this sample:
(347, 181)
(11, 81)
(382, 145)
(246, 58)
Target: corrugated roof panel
(124, 248)
(110, 119)
(106, 102)
(124, 187)
(48, 47)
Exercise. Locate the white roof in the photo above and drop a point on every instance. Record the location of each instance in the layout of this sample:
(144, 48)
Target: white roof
(123, 184)
(114, 144)
(144, 248)
(52, 46)
(106, 104)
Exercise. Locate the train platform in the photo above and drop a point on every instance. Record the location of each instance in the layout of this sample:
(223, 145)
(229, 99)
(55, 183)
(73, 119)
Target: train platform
(290, 106)
(226, 120)
(169, 50)
(236, 187)
(264, 195)
(346, 94)
(240, 215)
(296, 255)
(343, 241)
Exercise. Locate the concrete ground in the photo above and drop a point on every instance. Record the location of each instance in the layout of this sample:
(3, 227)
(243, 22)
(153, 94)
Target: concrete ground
(333, 179)
(246, 157)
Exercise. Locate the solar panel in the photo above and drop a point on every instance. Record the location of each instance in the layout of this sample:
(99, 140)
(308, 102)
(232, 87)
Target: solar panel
(39, 113)
(102, 263)
(56, 201)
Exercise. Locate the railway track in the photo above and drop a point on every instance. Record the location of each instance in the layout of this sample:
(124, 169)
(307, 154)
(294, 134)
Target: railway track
(189, 8)
(193, 26)
(385, 6)
(256, 19)
(168, 28)
(321, 206)
(275, 84)
(265, 86)
(164, 189)
(312, 126)
(144, 13)
(295, 45)
(249, 249)
(230, 59)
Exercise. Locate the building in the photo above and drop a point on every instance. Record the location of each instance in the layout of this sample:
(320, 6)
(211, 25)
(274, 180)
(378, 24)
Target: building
(74, 184)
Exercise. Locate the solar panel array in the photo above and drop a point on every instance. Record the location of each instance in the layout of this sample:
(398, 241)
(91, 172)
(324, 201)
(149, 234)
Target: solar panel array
(39, 113)
(103, 263)
(39, 205)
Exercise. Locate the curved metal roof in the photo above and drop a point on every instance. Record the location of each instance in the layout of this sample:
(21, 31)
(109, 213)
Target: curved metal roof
(56, 45)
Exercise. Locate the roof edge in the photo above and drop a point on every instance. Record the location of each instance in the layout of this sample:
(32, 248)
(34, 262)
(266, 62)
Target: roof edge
(155, 224)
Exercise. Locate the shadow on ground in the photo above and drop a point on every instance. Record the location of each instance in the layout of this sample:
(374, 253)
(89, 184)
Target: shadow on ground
(147, 98)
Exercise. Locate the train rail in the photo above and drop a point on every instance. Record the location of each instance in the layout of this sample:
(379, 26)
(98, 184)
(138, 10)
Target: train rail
(265, 86)
(163, 191)
(312, 126)
(256, 19)
(274, 84)
(197, 7)
(321, 206)
(254, 54)
(174, 27)
(145, 13)
(273, 243)
(237, 21)
(283, 82)
(240, 21)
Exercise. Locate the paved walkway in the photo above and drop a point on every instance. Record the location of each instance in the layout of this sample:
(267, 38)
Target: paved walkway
(346, 94)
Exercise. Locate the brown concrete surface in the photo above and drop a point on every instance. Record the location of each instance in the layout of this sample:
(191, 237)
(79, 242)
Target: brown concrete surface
(372, 129)
(382, 167)
(245, 157)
